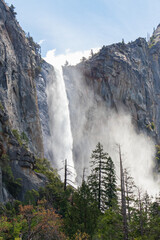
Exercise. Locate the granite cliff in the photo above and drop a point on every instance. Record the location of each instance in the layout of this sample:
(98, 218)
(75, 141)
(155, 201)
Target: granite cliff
(123, 77)
(18, 65)
(20, 128)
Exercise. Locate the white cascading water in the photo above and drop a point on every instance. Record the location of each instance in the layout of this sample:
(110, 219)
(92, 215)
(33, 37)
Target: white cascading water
(61, 142)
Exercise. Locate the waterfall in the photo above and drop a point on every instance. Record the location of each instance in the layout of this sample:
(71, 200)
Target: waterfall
(61, 141)
(92, 120)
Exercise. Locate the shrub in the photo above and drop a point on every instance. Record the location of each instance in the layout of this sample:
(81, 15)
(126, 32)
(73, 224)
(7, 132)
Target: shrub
(1, 106)
(31, 197)
(22, 138)
(17, 136)
(13, 185)
(12, 9)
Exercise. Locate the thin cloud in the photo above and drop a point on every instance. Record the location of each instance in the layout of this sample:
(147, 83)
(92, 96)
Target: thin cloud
(41, 42)
(71, 57)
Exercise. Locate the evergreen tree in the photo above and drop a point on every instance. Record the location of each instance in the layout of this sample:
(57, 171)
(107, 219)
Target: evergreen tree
(102, 181)
(12, 9)
(110, 184)
(83, 214)
(154, 221)
(130, 189)
(110, 225)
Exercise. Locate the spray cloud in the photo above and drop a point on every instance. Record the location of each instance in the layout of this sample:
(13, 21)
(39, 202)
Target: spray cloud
(93, 122)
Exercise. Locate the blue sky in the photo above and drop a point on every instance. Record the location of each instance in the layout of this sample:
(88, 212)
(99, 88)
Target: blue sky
(85, 24)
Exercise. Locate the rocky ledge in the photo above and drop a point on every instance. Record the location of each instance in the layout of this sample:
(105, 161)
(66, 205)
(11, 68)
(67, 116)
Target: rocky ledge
(14, 155)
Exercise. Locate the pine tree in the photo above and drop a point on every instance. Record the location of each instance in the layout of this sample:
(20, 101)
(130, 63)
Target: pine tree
(109, 225)
(12, 9)
(129, 192)
(83, 214)
(102, 180)
(110, 183)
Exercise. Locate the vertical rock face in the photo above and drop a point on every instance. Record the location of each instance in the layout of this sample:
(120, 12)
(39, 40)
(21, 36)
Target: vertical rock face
(126, 76)
(18, 68)
(43, 82)
(1, 196)
(14, 154)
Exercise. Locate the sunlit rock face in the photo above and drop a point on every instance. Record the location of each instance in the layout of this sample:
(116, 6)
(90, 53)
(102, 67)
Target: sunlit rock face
(19, 63)
(126, 76)
(122, 79)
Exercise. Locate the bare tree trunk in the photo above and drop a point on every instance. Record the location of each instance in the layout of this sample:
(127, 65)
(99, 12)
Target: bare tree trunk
(83, 177)
(1, 194)
(123, 198)
(127, 195)
(99, 189)
(65, 175)
(140, 212)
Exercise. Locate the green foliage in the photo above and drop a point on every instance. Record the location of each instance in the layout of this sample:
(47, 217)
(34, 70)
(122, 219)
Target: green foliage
(83, 214)
(152, 41)
(13, 185)
(31, 197)
(12, 208)
(35, 46)
(4, 164)
(53, 191)
(44, 166)
(102, 180)
(110, 225)
(1, 106)
(17, 136)
(22, 138)
(80, 236)
(35, 223)
(151, 126)
(11, 222)
(158, 156)
(12, 9)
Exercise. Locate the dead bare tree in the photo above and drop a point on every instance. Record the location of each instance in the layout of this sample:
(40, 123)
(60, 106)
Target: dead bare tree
(123, 198)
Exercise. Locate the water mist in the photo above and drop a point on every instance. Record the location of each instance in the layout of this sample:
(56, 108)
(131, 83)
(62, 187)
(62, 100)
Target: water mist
(92, 122)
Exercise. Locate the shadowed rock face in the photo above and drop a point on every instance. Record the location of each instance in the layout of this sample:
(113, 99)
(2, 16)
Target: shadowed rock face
(21, 160)
(1, 194)
(18, 66)
(43, 82)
